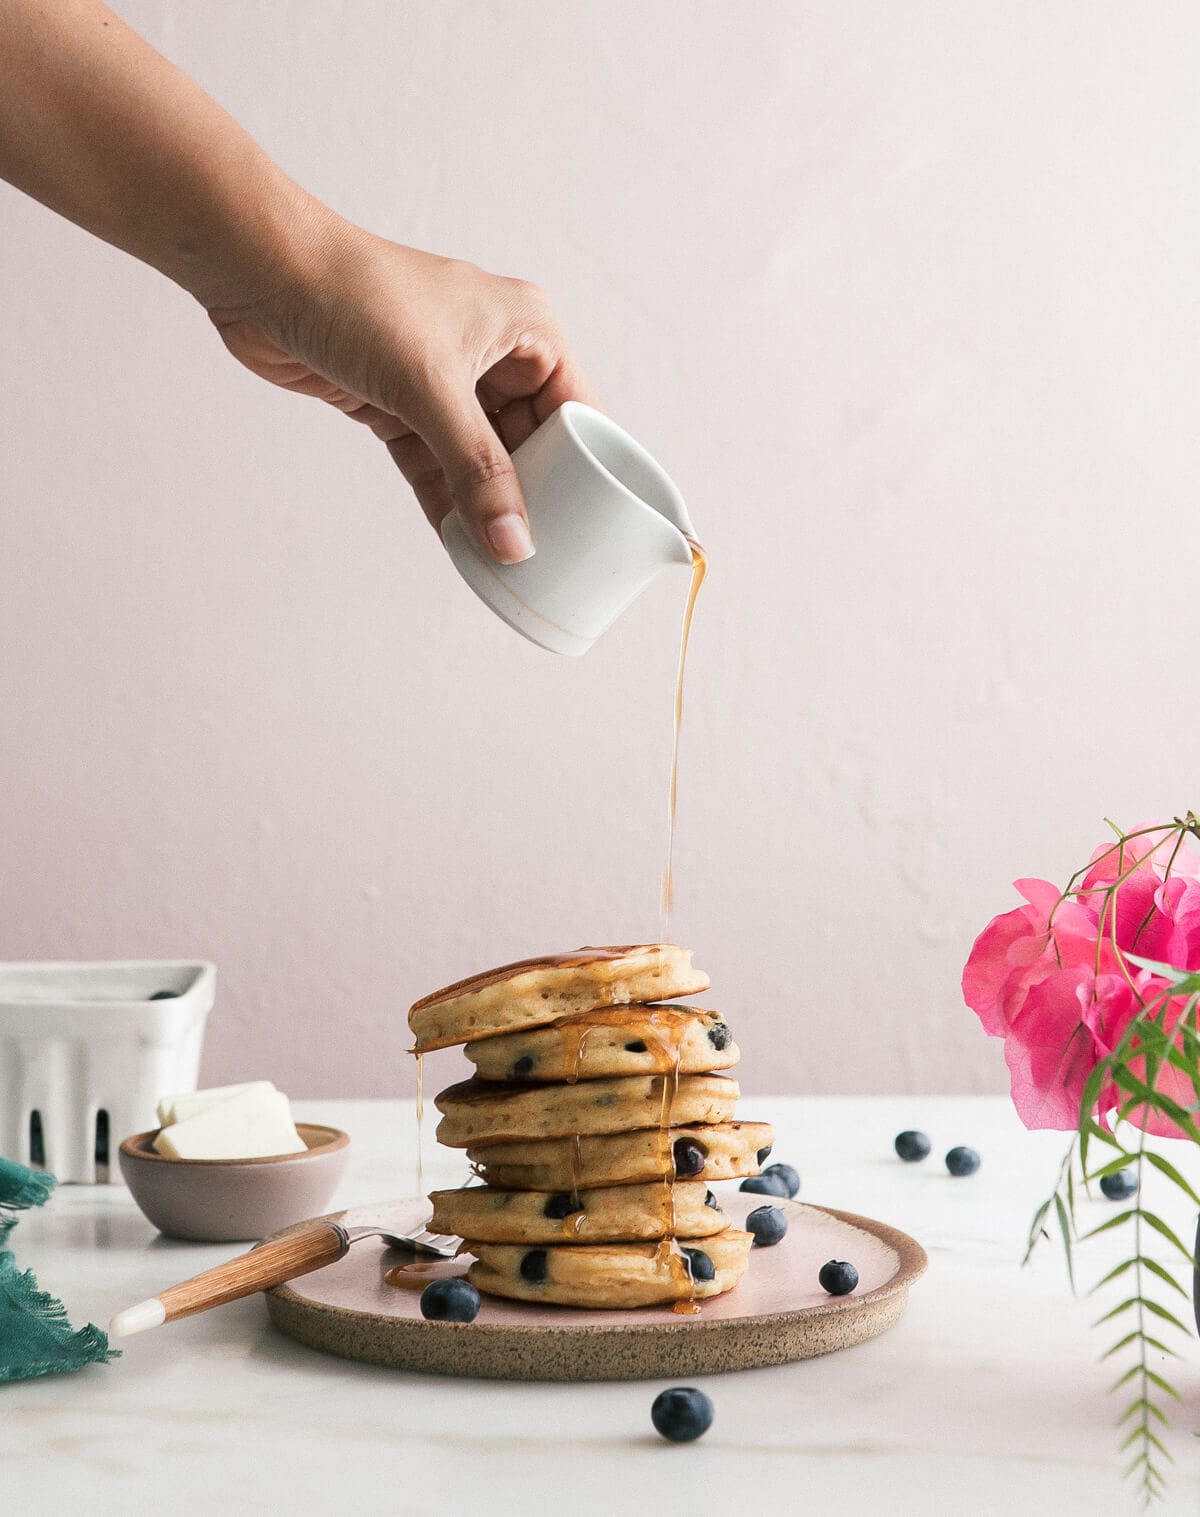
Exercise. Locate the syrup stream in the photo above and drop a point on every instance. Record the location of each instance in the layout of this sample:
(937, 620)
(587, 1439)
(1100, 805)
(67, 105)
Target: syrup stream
(667, 892)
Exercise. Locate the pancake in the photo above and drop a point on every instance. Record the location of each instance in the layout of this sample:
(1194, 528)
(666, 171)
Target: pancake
(533, 992)
(723, 1151)
(612, 1275)
(489, 1111)
(614, 1040)
(618, 1213)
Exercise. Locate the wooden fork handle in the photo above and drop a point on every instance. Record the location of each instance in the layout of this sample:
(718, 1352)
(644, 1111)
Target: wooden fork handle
(268, 1264)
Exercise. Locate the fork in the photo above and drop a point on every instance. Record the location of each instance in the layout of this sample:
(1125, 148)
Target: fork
(267, 1264)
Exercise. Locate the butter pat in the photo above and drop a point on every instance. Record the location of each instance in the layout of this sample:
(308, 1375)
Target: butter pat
(253, 1125)
(192, 1102)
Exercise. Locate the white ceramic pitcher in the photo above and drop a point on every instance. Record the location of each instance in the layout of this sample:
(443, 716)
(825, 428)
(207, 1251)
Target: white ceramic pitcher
(605, 518)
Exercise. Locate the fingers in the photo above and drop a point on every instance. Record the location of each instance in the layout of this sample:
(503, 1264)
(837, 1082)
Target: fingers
(478, 476)
(424, 475)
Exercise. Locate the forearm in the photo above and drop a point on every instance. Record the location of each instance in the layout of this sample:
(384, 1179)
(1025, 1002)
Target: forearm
(101, 128)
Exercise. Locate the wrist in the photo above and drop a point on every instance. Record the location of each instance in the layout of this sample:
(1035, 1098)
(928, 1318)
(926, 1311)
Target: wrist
(266, 240)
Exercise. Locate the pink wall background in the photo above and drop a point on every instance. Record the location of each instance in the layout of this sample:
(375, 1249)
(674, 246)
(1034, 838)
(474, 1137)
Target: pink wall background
(903, 296)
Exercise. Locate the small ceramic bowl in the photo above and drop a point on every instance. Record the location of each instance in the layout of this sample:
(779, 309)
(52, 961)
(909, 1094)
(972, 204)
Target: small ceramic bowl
(234, 1200)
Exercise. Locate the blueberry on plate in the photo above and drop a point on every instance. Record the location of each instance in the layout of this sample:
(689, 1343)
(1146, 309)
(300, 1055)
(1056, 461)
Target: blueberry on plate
(768, 1224)
(962, 1161)
(1120, 1185)
(913, 1146)
(682, 1413)
(764, 1185)
(838, 1277)
(788, 1175)
(450, 1301)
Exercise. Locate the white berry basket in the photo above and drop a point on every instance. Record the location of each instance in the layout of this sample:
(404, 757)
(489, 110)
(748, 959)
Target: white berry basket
(87, 1051)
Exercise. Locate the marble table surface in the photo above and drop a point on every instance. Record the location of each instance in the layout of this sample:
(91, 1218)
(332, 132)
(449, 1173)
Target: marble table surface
(986, 1398)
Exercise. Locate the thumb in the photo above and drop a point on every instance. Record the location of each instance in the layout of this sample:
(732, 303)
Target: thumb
(480, 476)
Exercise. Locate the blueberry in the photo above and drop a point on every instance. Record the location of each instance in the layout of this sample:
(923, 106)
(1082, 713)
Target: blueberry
(764, 1185)
(710, 1199)
(764, 1153)
(700, 1266)
(523, 1067)
(838, 1277)
(787, 1174)
(635, 1047)
(768, 1224)
(533, 1266)
(962, 1161)
(562, 1205)
(165, 995)
(689, 1157)
(1120, 1185)
(913, 1146)
(450, 1301)
(720, 1036)
(681, 1414)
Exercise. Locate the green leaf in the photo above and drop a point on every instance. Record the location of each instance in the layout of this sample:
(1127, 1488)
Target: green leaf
(1112, 1275)
(1128, 1338)
(1102, 1133)
(1183, 977)
(1065, 1228)
(1161, 1311)
(1122, 1161)
(1156, 1268)
(1165, 1386)
(1117, 1310)
(1139, 1404)
(1162, 1348)
(1134, 1369)
(1160, 1227)
(1165, 1167)
(1108, 1224)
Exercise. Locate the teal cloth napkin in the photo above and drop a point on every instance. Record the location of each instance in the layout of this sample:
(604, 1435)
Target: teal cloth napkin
(35, 1335)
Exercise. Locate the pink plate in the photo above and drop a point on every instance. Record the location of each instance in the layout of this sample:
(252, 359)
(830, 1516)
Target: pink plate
(778, 1313)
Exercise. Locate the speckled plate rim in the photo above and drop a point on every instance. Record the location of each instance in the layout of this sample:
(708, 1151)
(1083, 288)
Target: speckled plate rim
(685, 1345)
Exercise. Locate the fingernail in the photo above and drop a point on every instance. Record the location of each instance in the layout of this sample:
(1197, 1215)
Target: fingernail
(510, 539)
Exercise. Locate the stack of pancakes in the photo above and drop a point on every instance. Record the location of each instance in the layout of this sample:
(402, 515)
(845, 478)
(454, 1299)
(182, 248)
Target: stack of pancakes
(595, 1119)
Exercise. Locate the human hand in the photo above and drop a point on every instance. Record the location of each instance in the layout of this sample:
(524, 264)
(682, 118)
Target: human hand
(450, 366)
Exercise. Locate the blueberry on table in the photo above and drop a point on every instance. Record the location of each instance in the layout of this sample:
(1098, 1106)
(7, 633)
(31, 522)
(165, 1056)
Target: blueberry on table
(962, 1161)
(681, 1414)
(838, 1277)
(785, 1172)
(450, 1301)
(689, 1157)
(768, 1224)
(764, 1185)
(913, 1146)
(1120, 1185)
(700, 1266)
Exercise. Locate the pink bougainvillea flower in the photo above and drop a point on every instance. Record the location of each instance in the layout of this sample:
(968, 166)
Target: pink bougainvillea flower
(1052, 977)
